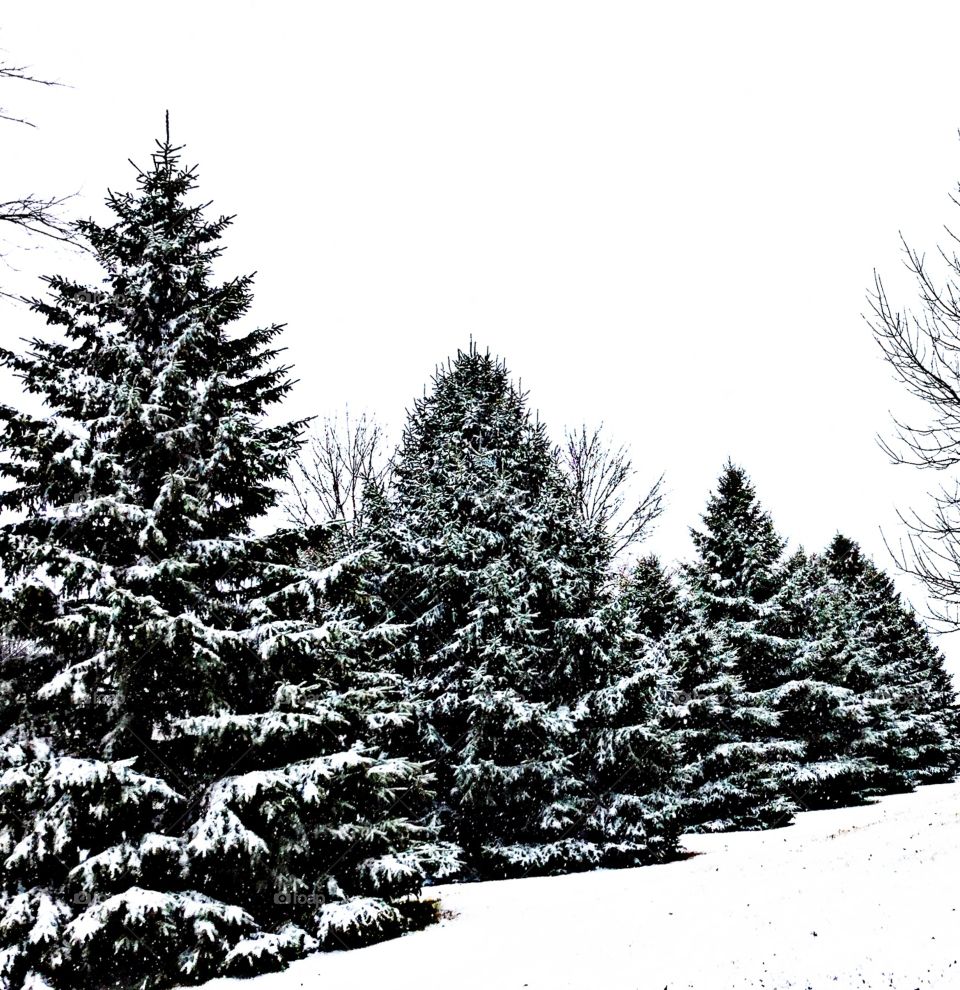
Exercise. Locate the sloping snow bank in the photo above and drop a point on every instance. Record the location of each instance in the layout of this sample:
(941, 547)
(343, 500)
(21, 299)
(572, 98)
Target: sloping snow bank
(862, 897)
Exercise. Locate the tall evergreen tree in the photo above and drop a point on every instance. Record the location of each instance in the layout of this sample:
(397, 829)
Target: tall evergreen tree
(196, 785)
(492, 601)
(471, 575)
(728, 661)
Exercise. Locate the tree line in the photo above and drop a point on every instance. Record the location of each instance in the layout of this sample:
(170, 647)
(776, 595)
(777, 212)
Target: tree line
(221, 749)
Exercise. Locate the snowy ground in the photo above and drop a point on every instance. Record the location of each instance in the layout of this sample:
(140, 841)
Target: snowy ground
(863, 897)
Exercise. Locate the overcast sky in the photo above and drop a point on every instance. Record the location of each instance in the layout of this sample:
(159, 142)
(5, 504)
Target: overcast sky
(663, 216)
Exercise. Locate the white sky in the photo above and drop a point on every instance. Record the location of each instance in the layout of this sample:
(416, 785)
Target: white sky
(663, 216)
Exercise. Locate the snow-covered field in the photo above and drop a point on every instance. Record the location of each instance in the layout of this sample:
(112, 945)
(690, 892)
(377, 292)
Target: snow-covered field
(863, 897)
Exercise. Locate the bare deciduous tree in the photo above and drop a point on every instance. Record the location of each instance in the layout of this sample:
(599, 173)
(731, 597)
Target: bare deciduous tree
(32, 215)
(19, 72)
(336, 467)
(604, 483)
(923, 349)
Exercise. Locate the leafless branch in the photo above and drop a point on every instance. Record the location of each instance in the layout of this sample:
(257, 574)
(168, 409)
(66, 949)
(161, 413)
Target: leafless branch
(14, 651)
(38, 215)
(604, 484)
(923, 349)
(31, 215)
(21, 73)
(335, 469)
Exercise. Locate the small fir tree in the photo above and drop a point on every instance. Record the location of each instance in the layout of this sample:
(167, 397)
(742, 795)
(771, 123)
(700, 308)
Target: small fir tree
(652, 596)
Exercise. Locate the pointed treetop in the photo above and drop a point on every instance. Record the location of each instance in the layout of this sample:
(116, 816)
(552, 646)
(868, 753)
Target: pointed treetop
(738, 547)
(845, 559)
(735, 503)
(735, 482)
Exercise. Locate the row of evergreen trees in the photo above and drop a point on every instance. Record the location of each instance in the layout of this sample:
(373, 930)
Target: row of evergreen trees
(223, 749)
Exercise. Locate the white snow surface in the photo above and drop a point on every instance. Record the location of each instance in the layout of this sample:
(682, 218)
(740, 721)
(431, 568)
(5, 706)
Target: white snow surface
(861, 897)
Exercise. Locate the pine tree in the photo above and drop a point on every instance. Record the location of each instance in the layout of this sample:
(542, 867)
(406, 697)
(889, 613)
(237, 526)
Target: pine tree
(728, 661)
(493, 604)
(841, 728)
(652, 596)
(470, 577)
(631, 751)
(734, 763)
(736, 574)
(198, 785)
(908, 669)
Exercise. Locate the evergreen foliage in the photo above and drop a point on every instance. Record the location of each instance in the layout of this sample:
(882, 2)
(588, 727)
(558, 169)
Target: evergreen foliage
(828, 700)
(910, 671)
(652, 597)
(221, 749)
(728, 660)
(631, 747)
(494, 593)
(196, 784)
(473, 580)
(735, 575)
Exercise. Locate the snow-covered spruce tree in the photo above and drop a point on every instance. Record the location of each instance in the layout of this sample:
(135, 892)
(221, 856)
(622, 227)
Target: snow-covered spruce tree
(728, 660)
(908, 670)
(471, 580)
(652, 596)
(197, 786)
(491, 592)
(733, 763)
(735, 576)
(631, 751)
(841, 724)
